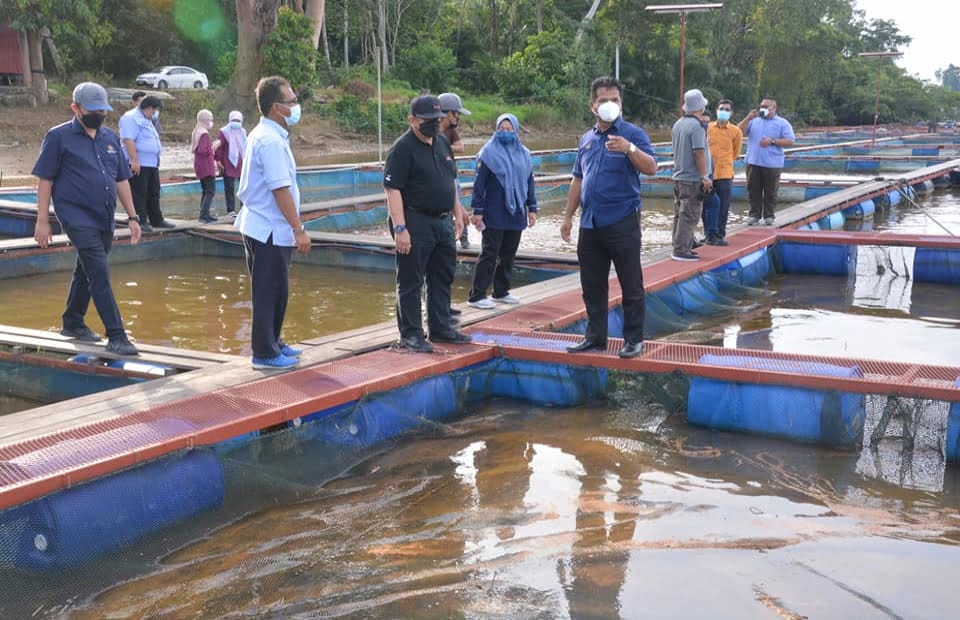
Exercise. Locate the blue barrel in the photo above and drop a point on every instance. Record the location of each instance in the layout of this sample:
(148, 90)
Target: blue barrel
(937, 265)
(834, 221)
(815, 258)
(860, 211)
(894, 197)
(816, 191)
(923, 187)
(953, 431)
(748, 270)
(861, 166)
(803, 414)
(925, 151)
(79, 524)
(541, 383)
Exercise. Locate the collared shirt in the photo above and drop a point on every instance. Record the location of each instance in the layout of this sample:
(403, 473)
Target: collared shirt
(425, 174)
(689, 136)
(268, 164)
(725, 143)
(85, 172)
(759, 128)
(611, 184)
(137, 127)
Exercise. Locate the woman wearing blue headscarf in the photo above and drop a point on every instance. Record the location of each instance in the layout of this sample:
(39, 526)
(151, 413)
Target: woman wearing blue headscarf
(504, 203)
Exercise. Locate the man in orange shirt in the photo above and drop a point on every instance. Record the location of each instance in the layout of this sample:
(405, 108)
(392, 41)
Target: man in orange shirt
(725, 140)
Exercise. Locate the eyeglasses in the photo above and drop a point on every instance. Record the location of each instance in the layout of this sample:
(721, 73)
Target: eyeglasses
(290, 102)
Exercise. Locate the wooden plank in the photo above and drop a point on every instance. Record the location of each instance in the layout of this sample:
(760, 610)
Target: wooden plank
(73, 347)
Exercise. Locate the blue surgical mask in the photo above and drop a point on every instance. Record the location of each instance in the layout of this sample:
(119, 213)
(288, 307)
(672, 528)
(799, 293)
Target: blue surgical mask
(294, 117)
(506, 137)
(723, 115)
(236, 125)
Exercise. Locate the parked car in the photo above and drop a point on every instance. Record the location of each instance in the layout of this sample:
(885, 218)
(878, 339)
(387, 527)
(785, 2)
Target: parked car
(173, 77)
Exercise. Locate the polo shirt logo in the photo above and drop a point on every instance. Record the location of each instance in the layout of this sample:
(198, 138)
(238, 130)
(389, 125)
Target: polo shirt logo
(110, 149)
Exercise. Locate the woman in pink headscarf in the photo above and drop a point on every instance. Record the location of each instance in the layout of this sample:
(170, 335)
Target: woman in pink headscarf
(203, 163)
(229, 155)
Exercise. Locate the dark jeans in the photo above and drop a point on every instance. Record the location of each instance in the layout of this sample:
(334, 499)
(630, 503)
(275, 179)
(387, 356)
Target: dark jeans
(723, 188)
(762, 187)
(596, 249)
(230, 193)
(432, 259)
(145, 188)
(711, 214)
(269, 267)
(208, 188)
(91, 280)
(495, 263)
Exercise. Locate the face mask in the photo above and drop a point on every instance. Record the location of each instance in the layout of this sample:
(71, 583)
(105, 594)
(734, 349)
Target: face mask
(506, 137)
(294, 117)
(209, 124)
(236, 125)
(608, 111)
(92, 120)
(723, 115)
(429, 128)
(156, 115)
(764, 112)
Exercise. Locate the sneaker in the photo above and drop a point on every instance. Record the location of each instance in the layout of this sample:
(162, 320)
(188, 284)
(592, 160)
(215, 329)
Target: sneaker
(146, 228)
(289, 351)
(82, 333)
(165, 224)
(698, 242)
(482, 304)
(509, 298)
(416, 344)
(686, 256)
(455, 311)
(716, 240)
(122, 346)
(753, 221)
(768, 221)
(280, 362)
(452, 336)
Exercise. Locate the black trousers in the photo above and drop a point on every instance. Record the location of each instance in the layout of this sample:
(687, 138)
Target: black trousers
(269, 268)
(762, 187)
(230, 192)
(145, 188)
(208, 187)
(620, 244)
(495, 264)
(432, 260)
(91, 280)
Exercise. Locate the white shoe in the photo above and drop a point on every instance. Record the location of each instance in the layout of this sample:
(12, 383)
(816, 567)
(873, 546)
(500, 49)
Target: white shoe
(482, 304)
(509, 298)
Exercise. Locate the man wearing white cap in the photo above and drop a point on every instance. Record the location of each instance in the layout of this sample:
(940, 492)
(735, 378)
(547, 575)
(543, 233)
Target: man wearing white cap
(82, 167)
(691, 173)
(452, 107)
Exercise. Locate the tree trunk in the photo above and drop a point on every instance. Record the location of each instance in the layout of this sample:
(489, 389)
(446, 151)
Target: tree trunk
(27, 77)
(539, 16)
(326, 43)
(256, 19)
(382, 29)
(346, 37)
(494, 27)
(315, 11)
(54, 54)
(38, 79)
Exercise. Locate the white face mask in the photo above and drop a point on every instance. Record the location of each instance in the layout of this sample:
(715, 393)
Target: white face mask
(608, 111)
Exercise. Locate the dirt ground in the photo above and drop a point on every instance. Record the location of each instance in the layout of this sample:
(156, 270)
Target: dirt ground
(315, 140)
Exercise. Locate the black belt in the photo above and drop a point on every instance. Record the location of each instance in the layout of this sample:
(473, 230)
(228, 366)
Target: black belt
(430, 213)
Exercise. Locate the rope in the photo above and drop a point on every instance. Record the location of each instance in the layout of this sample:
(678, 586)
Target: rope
(899, 185)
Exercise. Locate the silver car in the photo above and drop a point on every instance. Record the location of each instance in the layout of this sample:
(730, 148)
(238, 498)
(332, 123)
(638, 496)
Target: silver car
(173, 77)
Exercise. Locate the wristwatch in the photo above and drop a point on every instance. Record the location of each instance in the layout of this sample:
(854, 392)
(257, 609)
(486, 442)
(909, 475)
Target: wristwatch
(399, 228)
(633, 147)
(773, 141)
(133, 218)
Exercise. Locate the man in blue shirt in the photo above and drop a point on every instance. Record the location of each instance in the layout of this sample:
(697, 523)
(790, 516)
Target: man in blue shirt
(606, 185)
(766, 135)
(141, 141)
(270, 219)
(82, 167)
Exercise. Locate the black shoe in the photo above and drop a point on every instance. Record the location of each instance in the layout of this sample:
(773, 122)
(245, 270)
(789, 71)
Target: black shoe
(716, 240)
(83, 333)
(416, 343)
(208, 220)
(146, 228)
(122, 346)
(699, 242)
(454, 321)
(686, 256)
(631, 349)
(165, 224)
(455, 311)
(587, 345)
(452, 336)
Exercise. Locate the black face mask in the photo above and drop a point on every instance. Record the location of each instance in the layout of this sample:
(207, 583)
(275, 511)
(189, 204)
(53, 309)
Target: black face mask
(430, 128)
(92, 120)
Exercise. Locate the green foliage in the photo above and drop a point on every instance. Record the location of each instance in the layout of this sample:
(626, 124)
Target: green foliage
(224, 68)
(429, 65)
(289, 51)
(360, 115)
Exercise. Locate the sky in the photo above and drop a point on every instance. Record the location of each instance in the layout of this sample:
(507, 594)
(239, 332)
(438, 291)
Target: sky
(931, 24)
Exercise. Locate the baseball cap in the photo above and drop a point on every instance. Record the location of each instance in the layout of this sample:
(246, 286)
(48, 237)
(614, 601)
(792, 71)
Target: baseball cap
(92, 97)
(450, 102)
(426, 106)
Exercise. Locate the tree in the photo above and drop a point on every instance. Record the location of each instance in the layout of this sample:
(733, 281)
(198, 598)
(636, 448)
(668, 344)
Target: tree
(315, 11)
(256, 19)
(950, 78)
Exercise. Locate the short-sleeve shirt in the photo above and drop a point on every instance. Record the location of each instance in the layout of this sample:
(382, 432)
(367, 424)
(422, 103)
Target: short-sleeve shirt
(85, 172)
(759, 128)
(611, 184)
(725, 142)
(424, 173)
(688, 136)
(268, 164)
(137, 127)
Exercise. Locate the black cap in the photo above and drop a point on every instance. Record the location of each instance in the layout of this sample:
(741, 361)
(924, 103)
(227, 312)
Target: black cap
(426, 106)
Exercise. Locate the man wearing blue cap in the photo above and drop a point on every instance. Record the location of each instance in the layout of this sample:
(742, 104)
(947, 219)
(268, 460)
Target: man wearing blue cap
(82, 167)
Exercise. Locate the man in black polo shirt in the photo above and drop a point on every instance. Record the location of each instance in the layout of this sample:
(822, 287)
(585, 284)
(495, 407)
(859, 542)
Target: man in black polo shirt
(420, 181)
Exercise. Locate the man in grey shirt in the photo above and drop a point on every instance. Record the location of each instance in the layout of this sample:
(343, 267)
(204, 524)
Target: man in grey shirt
(691, 170)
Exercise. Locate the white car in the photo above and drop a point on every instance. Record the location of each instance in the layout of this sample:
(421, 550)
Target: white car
(173, 77)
